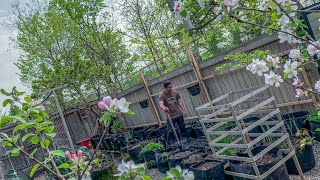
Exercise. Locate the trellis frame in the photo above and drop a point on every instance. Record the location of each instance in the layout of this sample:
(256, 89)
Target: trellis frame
(242, 129)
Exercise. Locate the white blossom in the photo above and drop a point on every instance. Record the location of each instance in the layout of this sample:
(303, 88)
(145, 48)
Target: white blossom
(201, 3)
(295, 54)
(274, 61)
(187, 175)
(291, 68)
(231, 4)
(317, 86)
(312, 50)
(287, 37)
(273, 78)
(127, 167)
(296, 82)
(264, 5)
(283, 21)
(258, 67)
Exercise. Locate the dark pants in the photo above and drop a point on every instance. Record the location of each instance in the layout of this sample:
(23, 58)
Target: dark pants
(178, 123)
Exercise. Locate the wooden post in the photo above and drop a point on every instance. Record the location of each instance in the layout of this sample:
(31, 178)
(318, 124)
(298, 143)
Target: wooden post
(196, 70)
(63, 120)
(306, 79)
(153, 105)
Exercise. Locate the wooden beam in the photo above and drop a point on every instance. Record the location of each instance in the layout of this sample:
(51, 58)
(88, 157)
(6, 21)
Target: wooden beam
(307, 81)
(153, 106)
(197, 72)
(65, 126)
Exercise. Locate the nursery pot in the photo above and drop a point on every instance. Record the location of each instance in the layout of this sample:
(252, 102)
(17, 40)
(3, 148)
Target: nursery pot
(198, 131)
(306, 160)
(208, 169)
(176, 158)
(107, 143)
(122, 141)
(114, 144)
(192, 160)
(94, 141)
(149, 156)
(134, 153)
(188, 132)
(252, 120)
(314, 126)
(295, 121)
(162, 162)
(280, 174)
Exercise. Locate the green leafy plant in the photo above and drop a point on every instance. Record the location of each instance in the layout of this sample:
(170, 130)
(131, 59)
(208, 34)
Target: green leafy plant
(151, 147)
(117, 126)
(315, 116)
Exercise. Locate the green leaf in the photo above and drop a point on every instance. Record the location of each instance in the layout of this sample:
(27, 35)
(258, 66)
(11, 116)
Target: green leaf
(35, 140)
(285, 75)
(47, 142)
(305, 57)
(51, 135)
(42, 145)
(19, 127)
(167, 178)
(45, 114)
(4, 92)
(146, 178)
(34, 169)
(6, 102)
(46, 123)
(65, 165)
(15, 152)
(130, 112)
(57, 153)
(318, 129)
(175, 172)
(39, 119)
(183, 13)
(141, 171)
(15, 138)
(27, 99)
(6, 143)
(33, 152)
(25, 137)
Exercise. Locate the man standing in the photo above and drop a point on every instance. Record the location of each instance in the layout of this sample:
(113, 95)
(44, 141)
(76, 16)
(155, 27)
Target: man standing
(170, 102)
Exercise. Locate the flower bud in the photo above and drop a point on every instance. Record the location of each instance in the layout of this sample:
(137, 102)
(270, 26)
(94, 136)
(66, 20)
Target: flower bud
(67, 153)
(84, 158)
(74, 156)
(79, 152)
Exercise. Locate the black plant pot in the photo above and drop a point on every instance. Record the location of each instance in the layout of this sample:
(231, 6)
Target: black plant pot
(174, 161)
(198, 131)
(162, 162)
(122, 141)
(252, 120)
(280, 174)
(94, 141)
(134, 153)
(214, 170)
(188, 132)
(114, 144)
(306, 160)
(296, 121)
(196, 158)
(150, 159)
(107, 144)
(314, 126)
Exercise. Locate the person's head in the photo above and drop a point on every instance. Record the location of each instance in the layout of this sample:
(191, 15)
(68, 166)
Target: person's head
(167, 86)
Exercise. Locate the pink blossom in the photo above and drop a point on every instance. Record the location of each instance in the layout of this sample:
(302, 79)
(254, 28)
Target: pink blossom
(299, 92)
(84, 158)
(79, 153)
(74, 156)
(34, 102)
(41, 107)
(296, 82)
(67, 153)
(102, 105)
(107, 100)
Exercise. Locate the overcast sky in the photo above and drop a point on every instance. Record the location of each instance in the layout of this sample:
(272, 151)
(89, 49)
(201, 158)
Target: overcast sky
(8, 54)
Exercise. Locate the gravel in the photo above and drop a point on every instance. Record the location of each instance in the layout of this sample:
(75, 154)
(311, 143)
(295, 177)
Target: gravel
(313, 174)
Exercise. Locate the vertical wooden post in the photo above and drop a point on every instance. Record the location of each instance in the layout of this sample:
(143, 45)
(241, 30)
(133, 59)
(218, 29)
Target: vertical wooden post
(153, 105)
(63, 120)
(196, 70)
(306, 79)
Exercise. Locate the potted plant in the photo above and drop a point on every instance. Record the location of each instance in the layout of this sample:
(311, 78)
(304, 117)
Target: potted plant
(303, 143)
(314, 121)
(162, 161)
(134, 153)
(208, 169)
(176, 158)
(149, 153)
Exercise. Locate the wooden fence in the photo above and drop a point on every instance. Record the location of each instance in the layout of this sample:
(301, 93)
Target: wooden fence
(81, 123)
